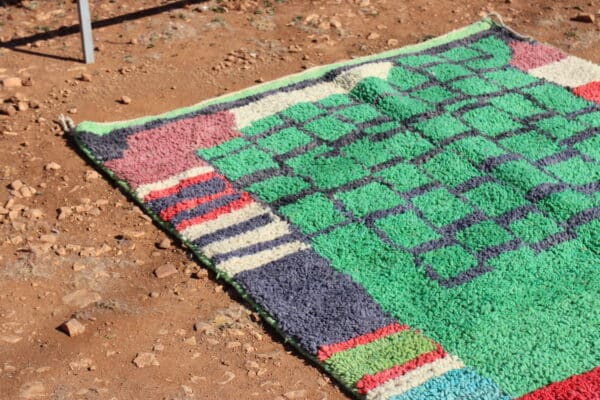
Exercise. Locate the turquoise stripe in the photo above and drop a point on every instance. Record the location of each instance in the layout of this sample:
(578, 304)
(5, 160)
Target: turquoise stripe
(458, 384)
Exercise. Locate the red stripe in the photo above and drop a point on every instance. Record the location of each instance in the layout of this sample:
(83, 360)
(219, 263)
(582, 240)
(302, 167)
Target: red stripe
(234, 205)
(370, 382)
(328, 350)
(169, 212)
(156, 194)
(584, 386)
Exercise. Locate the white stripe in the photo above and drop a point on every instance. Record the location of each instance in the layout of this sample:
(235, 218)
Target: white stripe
(415, 378)
(570, 72)
(143, 190)
(223, 221)
(265, 233)
(236, 265)
(279, 101)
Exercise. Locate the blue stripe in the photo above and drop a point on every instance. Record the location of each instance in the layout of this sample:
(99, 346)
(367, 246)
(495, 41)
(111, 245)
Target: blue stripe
(458, 384)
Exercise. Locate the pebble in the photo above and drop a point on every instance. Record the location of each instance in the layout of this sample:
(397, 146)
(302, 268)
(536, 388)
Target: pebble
(585, 17)
(191, 341)
(85, 77)
(125, 100)
(16, 185)
(229, 376)
(7, 109)
(22, 106)
(164, 244)
(392, 42)
(165, 270)
(295, 394)
(373, 36)
(10, 339)
(52, 166)
(32, 390)
(73, 327)
(12, 82)
(145, 359)
(81, 298)
(91, 175)
(78, 267)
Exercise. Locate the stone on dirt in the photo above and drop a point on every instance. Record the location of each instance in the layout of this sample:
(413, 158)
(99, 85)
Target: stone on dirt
(12, 82)
(164, 244)
(125, 100)
(585, 17)
(81, 298)
(145, 359)
(165, 270)
(72, 327)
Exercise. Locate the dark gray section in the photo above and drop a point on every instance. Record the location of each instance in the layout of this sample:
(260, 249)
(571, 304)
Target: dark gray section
(312, 302)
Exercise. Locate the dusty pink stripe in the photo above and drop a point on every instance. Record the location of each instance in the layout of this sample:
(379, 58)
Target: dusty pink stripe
(527, 56)
(161, 152)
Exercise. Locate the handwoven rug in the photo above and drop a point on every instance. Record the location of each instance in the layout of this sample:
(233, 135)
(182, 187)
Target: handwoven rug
(423, 223)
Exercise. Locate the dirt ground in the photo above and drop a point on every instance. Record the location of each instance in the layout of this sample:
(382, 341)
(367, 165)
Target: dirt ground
(71, 245)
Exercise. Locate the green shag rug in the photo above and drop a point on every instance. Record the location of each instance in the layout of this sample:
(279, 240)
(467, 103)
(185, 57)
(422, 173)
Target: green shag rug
(423, 223)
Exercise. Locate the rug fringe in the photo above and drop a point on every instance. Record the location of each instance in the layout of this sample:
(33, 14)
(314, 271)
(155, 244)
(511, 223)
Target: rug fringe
(500, 21)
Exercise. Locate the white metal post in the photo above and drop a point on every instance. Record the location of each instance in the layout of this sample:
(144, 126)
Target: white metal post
(85, 25)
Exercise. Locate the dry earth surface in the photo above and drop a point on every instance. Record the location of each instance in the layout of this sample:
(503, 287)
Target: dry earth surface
(73, 246)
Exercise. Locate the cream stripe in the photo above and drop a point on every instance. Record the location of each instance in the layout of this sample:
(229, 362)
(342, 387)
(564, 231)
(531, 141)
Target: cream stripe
(415, 378)
(570, 71)
(143, 190)
(265, 233)
(223, 221)
(276, 102)
(236, 265)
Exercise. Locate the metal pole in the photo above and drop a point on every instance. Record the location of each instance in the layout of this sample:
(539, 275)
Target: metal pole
(85, 25)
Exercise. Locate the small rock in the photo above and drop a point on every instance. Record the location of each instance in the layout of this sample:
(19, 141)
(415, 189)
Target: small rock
(295, 394)
(12, 82)
(11, 339)
(64, 212)
(165, 270)
(52, 166)
(154, 295)
(16, 185)
(191, 341)
(27, 81)
(85, 77)
(125, 100)
(233, 345)
(81, 298)
(584, 17)
(72, 110)
(229, 376)
(72, 327)
(32, 390)
(78, 267)
(143, 360)
(392, 42)
(251, 365)
(48, 238)
(158, 347)
(7, 109)
(91, 175)
(23, 106)
(203, 327)
(335, 23)
(373, 36)
(164, 244)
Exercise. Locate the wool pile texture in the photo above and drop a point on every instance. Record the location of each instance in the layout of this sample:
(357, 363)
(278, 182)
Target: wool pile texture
(423, 223)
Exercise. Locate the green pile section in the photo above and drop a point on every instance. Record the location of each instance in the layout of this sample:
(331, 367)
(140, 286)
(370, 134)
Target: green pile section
(396, 349)
(375, 176)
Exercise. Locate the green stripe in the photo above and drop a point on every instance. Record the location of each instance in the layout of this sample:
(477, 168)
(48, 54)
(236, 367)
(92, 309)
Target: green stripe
(317, 72)
(379, 355)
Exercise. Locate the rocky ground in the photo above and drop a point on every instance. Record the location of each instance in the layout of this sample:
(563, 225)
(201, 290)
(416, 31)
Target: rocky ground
(95, 301)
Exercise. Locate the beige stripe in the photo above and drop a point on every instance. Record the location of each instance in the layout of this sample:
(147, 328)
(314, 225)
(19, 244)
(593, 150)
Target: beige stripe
(570, 71)
(274, 103)
(265, 233)
(236, 265)
(223, 221)
(415, 378)
(143, 190)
